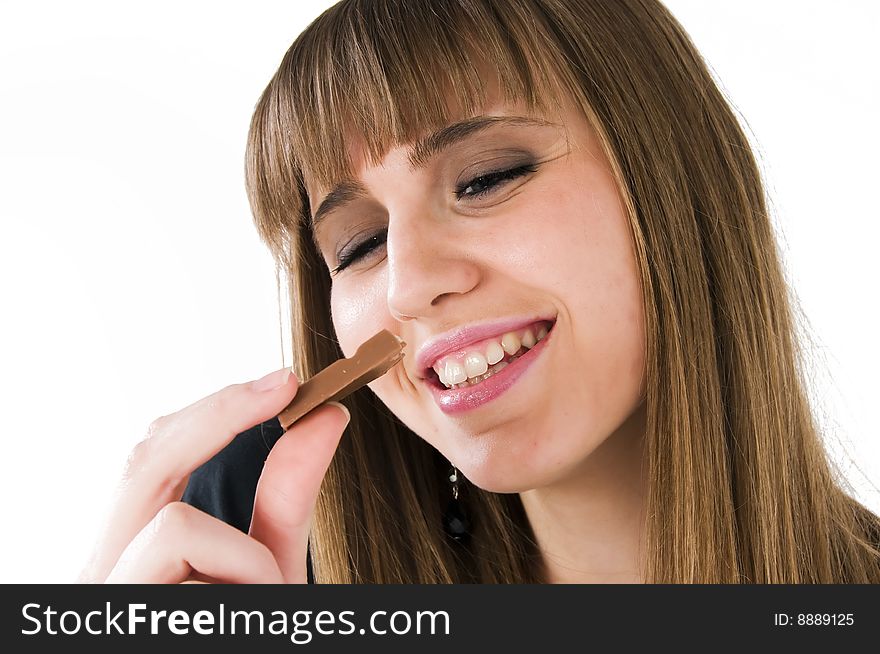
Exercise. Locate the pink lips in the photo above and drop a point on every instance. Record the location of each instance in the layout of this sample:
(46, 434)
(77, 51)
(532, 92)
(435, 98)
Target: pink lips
(459, 400)
(464, 336)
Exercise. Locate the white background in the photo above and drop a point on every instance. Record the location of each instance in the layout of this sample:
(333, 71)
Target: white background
(133, 281)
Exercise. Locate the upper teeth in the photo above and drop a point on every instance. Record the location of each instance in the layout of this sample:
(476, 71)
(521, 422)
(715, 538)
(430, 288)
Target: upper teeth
(456, 369)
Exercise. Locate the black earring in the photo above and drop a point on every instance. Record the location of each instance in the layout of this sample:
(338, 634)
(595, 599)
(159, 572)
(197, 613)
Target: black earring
(455, 522)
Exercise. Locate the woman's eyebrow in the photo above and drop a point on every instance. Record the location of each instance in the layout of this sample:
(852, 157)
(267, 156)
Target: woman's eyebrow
(345, 192)
(421, 153)
(427, 148)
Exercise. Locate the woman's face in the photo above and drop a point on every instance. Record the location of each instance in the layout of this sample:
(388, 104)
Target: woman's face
(460, 267)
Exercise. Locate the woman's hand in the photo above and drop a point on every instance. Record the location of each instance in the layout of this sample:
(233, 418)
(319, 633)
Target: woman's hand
(153, 537)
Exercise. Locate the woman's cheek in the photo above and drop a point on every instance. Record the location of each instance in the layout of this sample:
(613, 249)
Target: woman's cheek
(357, 309)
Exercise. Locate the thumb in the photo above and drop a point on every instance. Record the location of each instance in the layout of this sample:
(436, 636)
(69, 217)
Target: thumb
(289, 484)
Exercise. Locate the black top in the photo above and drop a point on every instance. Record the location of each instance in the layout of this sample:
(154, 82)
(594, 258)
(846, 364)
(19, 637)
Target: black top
(225, 485)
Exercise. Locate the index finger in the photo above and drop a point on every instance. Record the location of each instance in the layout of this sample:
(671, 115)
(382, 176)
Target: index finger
(159, 467)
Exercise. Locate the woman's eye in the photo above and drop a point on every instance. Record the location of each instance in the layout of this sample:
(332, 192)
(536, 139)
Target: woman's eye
(359, 251)
(486, 184)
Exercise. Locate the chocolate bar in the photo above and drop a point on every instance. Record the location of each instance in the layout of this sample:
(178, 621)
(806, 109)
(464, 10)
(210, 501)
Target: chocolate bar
(373, 359)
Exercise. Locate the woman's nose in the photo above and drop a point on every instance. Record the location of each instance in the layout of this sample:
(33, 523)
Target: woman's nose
(427, 266)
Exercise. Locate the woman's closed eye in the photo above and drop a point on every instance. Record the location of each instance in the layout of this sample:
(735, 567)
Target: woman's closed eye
(478, 187)
(359, 251)
(489, 182)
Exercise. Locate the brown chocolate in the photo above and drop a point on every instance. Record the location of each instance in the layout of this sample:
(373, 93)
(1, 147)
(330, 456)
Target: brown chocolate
(373, 359)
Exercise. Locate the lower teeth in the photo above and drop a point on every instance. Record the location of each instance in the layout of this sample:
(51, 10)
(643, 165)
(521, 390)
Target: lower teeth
(491, 371)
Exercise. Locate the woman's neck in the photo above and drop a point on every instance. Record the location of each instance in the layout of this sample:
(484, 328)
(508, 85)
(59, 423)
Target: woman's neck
(589, 525)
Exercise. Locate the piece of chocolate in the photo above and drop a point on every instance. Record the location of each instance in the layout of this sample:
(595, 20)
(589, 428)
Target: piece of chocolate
(373, 359)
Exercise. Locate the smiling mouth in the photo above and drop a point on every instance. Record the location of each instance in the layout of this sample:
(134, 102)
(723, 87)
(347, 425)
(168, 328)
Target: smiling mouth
(474, 368)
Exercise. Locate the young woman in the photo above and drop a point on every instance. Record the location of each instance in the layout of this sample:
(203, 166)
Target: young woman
(552, 204)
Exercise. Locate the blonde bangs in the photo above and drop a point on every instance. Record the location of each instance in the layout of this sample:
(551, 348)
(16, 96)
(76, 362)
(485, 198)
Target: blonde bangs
(345, 80)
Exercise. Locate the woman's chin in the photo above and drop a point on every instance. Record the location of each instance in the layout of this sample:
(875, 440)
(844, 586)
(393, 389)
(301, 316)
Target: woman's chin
(503, 477)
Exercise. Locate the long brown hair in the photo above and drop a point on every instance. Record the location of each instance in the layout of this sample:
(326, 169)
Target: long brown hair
(741, 489)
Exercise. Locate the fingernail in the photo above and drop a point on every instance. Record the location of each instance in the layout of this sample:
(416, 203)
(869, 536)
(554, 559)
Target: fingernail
(273, 380)
(344, 408)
